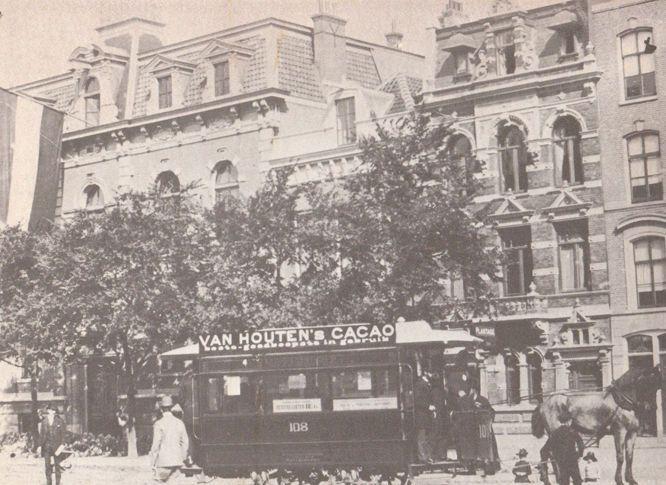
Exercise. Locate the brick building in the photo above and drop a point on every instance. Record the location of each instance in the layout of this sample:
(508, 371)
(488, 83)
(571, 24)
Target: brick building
(522, 85)
(629, 36)
(218, 110)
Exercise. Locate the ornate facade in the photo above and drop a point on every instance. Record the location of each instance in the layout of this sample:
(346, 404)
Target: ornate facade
(522, 87)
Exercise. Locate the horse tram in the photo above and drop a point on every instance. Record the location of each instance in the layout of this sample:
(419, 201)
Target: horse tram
(311, 404)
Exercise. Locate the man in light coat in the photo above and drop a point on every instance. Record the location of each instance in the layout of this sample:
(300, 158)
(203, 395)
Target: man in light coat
(170, 444)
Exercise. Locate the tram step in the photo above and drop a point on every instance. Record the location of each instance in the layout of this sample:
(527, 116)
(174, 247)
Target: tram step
(190, 471)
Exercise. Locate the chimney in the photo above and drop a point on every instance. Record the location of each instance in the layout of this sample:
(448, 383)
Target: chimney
(453, 14)
(330, 45)
(394, 38)
(134, 35)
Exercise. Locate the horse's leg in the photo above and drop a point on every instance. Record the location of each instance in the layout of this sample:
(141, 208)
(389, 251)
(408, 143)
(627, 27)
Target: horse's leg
(619, 434)
(628, 469)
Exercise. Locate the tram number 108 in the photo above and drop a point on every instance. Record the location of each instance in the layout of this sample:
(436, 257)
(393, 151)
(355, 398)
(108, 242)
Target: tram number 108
(301, 427)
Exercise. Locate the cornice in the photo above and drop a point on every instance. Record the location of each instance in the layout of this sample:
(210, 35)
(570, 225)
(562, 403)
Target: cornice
(524, 81)
(176, 113)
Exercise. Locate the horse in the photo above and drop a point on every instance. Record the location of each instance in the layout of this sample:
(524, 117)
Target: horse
(614, 410)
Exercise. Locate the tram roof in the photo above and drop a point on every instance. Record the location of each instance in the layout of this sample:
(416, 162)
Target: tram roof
(412, 332)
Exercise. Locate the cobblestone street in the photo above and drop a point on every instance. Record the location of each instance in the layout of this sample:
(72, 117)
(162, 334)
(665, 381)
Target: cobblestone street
(649, 468)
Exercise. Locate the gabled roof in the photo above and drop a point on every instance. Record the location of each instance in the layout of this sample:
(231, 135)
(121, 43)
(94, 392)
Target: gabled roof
(404, 88)
(160, 63)
(218, 47)
(510, 211)
(566, 205)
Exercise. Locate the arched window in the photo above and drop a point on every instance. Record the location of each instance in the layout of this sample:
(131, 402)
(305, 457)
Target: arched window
(167, 183)
(641, 356)
(650, 263)
(645, 167)
(568, 158)
(92, 101)
(94, 197)
(534, 376)
(513, 157)
(226, 179)
(638, 63)
(512, 379)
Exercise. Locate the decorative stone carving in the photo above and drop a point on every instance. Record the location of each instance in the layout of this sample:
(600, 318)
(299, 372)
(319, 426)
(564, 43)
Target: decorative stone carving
(219, 123)
(565, 338)
(526, 58)
(597, 336)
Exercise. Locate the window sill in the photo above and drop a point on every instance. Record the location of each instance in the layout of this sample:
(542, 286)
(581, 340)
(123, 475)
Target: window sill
(647, 203)
(570, 57)
(643, 99)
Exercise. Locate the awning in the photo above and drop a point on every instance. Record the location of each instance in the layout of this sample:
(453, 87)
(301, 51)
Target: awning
(459, 42)
(563, 20)
(420, 331)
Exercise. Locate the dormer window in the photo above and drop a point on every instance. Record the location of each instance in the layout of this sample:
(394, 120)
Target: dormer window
(506, 53)
(226, 64)
(346, 121)
(164, 92)
(222, 85)
(169, 79)
(92, 102)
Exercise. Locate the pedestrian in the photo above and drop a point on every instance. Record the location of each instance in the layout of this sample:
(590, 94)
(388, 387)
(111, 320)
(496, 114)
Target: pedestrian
(483, 417)
(52, 439)
(440, 418)
(423, 409)
(170, 444)
(564, 446)
(591, 471)
(522, 469)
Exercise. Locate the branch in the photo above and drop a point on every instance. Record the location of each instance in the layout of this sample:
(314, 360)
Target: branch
(2, 359)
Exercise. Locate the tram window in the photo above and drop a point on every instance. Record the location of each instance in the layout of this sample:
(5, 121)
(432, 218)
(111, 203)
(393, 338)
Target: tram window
(361, 383)
(231, 395)
(297, 385)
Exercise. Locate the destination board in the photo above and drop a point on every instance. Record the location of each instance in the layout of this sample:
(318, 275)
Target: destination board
(301, 338)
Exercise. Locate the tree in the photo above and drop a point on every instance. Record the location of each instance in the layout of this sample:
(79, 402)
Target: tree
(403, 228)
(128, 279)
(30, 333)
(262, 242)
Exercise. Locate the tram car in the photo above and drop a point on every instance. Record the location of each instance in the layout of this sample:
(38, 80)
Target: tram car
(291, 401)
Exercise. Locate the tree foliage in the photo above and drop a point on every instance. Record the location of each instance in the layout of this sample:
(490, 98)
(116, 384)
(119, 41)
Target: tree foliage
(403, 228)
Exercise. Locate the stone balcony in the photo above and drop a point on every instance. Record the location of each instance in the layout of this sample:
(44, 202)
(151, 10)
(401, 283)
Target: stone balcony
(530, 304)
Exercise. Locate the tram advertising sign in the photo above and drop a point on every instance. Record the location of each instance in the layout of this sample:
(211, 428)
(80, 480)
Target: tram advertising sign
(300, 338)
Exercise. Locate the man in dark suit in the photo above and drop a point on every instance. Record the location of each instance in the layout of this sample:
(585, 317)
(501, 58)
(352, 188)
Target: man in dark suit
(423, 408)
(440, 424)
(565, 446)
(52, 438)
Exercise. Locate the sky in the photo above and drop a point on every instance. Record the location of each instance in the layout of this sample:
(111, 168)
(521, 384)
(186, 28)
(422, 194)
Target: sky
(37, 36)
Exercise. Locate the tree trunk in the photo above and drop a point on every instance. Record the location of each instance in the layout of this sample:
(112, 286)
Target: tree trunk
(130, 431)
(33, 370)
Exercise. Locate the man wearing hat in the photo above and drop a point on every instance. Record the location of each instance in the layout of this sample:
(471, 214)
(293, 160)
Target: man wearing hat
(52, 438)
(170, 444)
(522, 469)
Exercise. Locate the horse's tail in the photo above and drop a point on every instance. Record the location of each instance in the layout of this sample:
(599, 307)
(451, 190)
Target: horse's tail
(538, 426)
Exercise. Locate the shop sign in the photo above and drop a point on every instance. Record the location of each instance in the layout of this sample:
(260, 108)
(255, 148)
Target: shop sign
(485, 332)
(365, 404)
(301, 338)
(296, 405)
